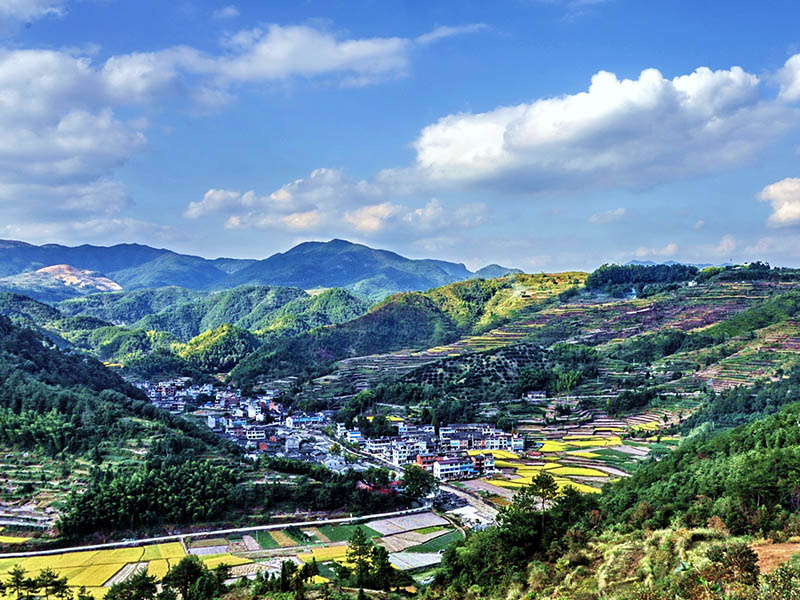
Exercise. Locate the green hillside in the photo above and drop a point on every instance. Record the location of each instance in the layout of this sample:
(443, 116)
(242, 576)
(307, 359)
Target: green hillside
(409, 320)
(218, 349)
(63, 403)
(186, 314)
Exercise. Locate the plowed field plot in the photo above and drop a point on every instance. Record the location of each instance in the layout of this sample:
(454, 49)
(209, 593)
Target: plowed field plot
(125, 572)
(403, 541)
(284, 541)
(406, 561)
(771, 556)
(406, 523)
(209, 550)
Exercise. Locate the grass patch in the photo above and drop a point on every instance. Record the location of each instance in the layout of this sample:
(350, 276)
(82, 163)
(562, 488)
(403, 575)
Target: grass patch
(342, 533)
(433, 529)
(436, 544)
(265, 540)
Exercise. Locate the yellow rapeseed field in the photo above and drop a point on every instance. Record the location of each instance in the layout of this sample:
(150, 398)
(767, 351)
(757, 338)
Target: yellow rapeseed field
(325, 554)
(213, 560)
(158, 568)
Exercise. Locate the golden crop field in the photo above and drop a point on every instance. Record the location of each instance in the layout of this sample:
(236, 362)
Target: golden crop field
(496, 453)
(93, 568)
(9, 539)
(284, 541)
(158, 551)
(214, 560)
(579, 471)
(158, 568)
(562, 483)
(96, 575)
(325, 554)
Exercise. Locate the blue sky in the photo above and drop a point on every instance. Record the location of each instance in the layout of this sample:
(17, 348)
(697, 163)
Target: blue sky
(541, 134)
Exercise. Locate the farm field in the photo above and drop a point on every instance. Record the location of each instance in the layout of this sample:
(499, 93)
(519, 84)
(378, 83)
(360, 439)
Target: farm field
(585, 453)
(94, 569)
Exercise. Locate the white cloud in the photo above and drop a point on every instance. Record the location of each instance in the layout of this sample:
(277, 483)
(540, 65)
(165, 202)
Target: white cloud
(329, 202)
(669, 250)
(226, 12)
(608, 216)
(784, 197)
(620, 133)
(727, 244)
(95, 229)
(303, 204)
(372, 218)
(15, 12)
(434, 215)
(789, 79)
(449, 31)
(699, 224)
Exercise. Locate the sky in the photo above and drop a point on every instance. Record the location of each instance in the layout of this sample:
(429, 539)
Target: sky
(540, 134)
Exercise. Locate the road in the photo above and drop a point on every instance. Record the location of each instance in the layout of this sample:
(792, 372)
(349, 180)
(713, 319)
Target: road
(216, 532)
(485, 510)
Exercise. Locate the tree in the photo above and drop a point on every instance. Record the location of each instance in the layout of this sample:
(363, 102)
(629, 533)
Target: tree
(417, 482)
(16, 579)
(184, 574)
(382, 570)
(139, 586)
(545, 487)
(358, 554)
(61, 589)
(47, 580)
(31, 586)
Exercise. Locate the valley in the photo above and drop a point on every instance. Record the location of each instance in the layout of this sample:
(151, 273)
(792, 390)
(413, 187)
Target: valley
(258, 425)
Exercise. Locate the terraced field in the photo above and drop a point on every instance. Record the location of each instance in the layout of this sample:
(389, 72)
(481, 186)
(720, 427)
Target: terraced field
(585, 452)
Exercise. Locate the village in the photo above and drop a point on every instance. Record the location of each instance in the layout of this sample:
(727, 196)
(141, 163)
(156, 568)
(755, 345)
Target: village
(261, 425)
(579, 446)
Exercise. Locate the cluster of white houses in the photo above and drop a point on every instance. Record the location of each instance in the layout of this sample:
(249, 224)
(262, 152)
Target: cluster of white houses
(455, 453)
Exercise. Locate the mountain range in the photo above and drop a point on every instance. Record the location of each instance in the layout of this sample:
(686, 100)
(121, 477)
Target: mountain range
(369, 273)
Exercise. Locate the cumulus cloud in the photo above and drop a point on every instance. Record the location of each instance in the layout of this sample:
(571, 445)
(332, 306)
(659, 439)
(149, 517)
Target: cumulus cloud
(372, 218)
(98, 228)
(62, 134)
(789, 78)
(434, 215)
(327, 201)
(784, 197)
(303, 204)
(620, 132)
(608, 216)
(669, 250)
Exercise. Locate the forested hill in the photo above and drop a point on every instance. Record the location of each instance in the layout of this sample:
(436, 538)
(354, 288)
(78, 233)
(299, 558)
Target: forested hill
(178, 331)
(186, 313)
(58, 402)
(410, 320)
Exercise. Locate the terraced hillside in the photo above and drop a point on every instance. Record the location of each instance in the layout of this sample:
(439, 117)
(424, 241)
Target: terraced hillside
(515, 308)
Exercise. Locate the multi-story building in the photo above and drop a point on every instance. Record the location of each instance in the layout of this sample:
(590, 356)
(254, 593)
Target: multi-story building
(453, 468)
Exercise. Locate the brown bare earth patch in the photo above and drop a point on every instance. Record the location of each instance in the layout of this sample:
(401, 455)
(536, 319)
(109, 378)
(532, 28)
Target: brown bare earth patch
(771, 556)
